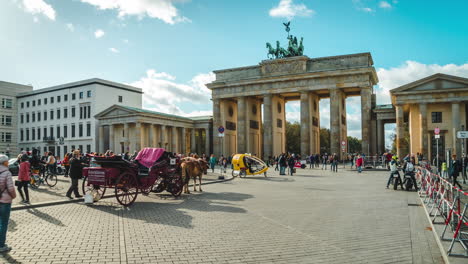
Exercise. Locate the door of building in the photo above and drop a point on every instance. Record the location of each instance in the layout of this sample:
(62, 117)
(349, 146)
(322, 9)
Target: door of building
(441, 147)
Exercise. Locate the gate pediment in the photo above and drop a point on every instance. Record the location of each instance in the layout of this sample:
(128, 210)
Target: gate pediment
(434, 83)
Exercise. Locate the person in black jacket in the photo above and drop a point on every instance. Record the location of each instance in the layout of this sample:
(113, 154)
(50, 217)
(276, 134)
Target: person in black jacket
(291, 162)
(76, 173)
(454, 170)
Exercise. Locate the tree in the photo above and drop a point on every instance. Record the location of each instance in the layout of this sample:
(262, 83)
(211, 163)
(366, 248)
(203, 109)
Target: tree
(354, 145)
(293, 137)
(324, 140)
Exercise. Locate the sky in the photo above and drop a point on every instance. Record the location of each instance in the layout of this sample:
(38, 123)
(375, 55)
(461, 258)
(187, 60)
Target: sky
(169, 48)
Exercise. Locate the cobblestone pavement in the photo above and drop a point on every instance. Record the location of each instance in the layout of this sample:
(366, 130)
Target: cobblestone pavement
(48, 194)
(314, 216)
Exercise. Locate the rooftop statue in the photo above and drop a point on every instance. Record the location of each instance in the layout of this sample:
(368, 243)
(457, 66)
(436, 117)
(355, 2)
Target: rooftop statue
(294, 49)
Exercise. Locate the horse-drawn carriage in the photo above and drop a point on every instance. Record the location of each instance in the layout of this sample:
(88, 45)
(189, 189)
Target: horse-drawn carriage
(154, 170)
(246, 164)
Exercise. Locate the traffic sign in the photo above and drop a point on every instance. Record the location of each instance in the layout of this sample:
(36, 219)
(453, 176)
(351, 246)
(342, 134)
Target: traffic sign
(437, 131)
(462, 134)
(437, 136)
(221, 129)
(343, 143)
(221, 135)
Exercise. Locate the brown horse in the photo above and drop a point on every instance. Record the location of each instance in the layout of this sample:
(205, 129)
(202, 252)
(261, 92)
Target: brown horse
(193, 168)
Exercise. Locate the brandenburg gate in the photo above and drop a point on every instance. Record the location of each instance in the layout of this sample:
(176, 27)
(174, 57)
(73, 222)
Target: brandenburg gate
(239, 93)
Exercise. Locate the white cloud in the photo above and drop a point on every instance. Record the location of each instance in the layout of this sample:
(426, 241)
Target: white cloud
(125, 41)
(160, 9)
(367, 9)
(114, 50)
(385, 5)
(70, 27)
(99, 33)
(39, 7)
(411, 71)
(287, 9)
(163, 94)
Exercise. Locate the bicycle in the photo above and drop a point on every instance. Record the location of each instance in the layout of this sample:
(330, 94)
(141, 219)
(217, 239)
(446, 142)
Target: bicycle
(37, 179)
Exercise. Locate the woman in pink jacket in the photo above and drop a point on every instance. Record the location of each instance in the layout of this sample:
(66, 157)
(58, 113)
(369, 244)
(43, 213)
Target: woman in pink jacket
(24, 176)
(7, 194)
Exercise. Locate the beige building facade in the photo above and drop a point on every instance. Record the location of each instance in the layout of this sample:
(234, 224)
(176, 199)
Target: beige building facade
(437, 101)
(128, 129)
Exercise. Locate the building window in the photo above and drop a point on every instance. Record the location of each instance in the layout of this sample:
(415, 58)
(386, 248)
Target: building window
(80, 130)
(80, 147)
(58, 132)
(27, 117)
(73, 96)
(45, 132)
(38, 133)
(7, 103)
(51, 132)
(22, 119)
(65, 113)
(51, 100)
(88, 148)
(88, 94)
(39, 116)
(73, 112)
(6, 120)
(45, 115)
(120, 99)
(33, 117)
(65, 131)
(58, 98)
(21, 135)
(58, 113)
(27, 104)
(22, 104)
(33, 134)
(27, 134)
(89, 111)
(81, 95)
(5, 136)
(51, 114)
(73, 130)
(436, 117)
(65, 150)
(34, 103)
(81, 112)
(88, 129)
(65, 97)
(38, 101)
(72, 147)
(45, 101)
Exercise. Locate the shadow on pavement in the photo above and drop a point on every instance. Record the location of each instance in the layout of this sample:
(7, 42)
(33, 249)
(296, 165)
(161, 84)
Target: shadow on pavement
(275, 179)
(44, 216)
(9, 259)
(12, 226)
(174, 213)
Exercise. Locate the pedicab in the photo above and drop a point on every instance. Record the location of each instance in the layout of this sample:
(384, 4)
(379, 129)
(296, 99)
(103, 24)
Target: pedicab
(152, 168)
(246, 164)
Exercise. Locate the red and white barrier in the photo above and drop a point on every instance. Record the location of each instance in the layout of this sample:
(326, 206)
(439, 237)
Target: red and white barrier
(448, 202)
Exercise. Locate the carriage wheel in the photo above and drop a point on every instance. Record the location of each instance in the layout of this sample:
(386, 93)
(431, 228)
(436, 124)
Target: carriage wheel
(177, 185)
(146, 191)
(92, 189)
(242, 173)
(126, 190)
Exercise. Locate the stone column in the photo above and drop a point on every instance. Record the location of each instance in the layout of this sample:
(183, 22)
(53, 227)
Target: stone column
(193, 145)
(126, 137)
(400, 130)
(154, 133)
(137, 139)
(380, 136)
(455, 127)
(111, 138)
(163, 136)
(101, 139)
(305, 124)
(183, 142)
(335, 121)
(267, 126)
(207, 141)
(424, 135)
(241, 125)
(174, 139)
(216, 123)
(366, 101)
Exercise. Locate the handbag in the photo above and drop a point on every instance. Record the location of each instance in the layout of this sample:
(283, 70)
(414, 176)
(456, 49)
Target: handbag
(17, 183)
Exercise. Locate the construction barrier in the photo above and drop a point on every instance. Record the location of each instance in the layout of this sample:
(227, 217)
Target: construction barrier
(449, 203)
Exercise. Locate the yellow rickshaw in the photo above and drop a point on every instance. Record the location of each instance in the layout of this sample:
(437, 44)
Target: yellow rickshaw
(246, 164)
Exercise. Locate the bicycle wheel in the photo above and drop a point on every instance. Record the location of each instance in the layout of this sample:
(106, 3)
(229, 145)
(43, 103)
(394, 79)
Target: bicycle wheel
(34, 182)
(51, 179)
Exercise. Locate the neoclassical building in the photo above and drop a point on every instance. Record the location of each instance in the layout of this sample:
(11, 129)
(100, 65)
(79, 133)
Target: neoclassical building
(127, 129)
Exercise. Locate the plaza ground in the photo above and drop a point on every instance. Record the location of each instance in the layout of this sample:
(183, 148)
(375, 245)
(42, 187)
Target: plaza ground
(314, 216)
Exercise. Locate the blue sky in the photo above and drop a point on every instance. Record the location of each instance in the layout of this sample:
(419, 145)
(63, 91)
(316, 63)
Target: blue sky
(170, 47)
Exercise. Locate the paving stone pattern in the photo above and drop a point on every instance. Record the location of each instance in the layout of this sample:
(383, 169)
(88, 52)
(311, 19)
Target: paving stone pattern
(314, 216)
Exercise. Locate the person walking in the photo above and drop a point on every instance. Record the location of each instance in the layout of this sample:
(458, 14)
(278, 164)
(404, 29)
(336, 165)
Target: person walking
(312, 161)
(212, 162)
(454, 171)
(7, 194)
(24, 176)
(291, 162)
(66, 164)
(276, 163)
(282, 163)
(359, 163)
(324, 161)
(51, 163)
(76, 173)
